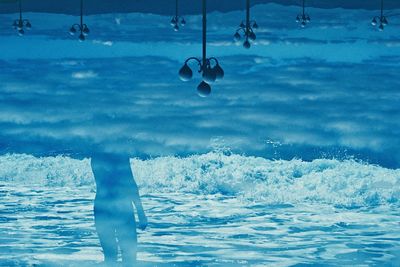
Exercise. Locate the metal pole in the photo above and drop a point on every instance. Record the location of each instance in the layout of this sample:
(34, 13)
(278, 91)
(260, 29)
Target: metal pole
(247, 14)
(204, 33)
(81, 13)
(20, 10)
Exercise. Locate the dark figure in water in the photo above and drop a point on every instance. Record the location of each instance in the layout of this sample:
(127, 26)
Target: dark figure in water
(113, 209)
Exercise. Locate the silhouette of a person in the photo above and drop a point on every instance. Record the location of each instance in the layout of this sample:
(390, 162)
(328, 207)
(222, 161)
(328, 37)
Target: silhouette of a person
(113, 210)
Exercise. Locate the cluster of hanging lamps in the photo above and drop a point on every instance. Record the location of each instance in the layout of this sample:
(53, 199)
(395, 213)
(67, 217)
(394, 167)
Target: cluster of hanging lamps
(209, 68)
(381, 20)
(21, 24)
(80, 27)
(303, 18)
(246, 29)
(177, 21)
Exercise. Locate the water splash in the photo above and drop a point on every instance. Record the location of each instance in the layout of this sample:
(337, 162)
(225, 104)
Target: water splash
(344, 183)
(347, 183)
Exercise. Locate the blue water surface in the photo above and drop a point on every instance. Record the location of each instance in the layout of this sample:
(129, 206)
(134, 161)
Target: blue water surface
(319, 107)
(208, 210)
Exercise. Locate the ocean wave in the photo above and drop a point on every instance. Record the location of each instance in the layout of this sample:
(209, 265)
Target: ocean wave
(45, 171)
(345, 183)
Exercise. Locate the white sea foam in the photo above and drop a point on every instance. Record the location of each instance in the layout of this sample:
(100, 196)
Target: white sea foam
(346, 183)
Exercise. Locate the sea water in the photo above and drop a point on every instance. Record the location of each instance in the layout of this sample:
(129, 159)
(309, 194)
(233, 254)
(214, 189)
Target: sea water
(213, 209)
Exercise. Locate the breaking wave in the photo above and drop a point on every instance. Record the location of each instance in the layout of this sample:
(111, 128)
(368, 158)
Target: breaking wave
(345, 183)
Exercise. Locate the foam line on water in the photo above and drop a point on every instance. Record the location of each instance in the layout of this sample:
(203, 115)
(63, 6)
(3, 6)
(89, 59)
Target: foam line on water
(346, 183)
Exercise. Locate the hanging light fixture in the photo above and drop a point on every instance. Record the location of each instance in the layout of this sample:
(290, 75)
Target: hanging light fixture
(247, 29)
(303, 19)
(177, 21)
(82, 28)
(381, 20)
(209, 68)
(21, 24)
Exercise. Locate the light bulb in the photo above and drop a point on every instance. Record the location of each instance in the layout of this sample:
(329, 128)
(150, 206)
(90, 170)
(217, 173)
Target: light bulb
(72, 31)
(236, 37)
(204, 89)
(85, 30)
(219, 72)
(185, 73)
(246, 44)
(252, 36)
(209, 74)
(384, 21)
(82, 37)
(173, 21)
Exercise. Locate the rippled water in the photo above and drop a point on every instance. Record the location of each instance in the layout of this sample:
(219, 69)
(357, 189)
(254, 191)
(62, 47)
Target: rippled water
(52, 224)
